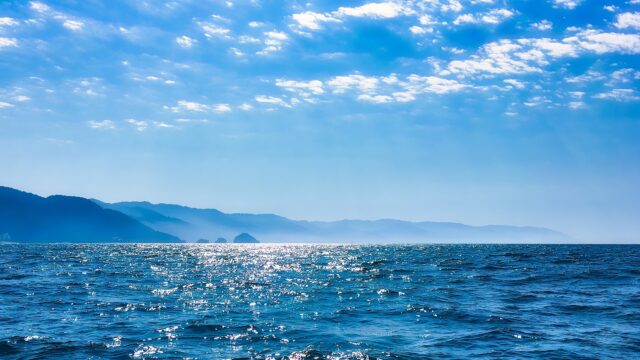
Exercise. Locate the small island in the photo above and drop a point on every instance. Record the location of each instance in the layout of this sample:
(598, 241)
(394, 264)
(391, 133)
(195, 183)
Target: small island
(245, 238)
(203, 241)
(221, 240)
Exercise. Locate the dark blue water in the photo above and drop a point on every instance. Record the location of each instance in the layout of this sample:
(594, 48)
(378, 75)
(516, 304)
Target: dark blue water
(319, 302)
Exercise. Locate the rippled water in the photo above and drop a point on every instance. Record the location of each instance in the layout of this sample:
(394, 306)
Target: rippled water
(319, 302)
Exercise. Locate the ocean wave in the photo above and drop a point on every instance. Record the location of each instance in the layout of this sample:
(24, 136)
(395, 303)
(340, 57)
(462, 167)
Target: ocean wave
(319, 302)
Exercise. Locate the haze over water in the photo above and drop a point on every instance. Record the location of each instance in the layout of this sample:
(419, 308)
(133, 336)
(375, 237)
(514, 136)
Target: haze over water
(319, 301)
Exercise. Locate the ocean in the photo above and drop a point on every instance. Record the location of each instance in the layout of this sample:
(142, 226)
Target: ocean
(77, 301)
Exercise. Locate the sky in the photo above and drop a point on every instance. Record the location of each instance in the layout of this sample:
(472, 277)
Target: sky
(478, 111)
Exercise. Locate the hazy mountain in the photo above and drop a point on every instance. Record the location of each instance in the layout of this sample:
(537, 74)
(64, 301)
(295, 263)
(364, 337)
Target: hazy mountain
(245, 238)
(26, 217)
(192, 224)
(29, 218)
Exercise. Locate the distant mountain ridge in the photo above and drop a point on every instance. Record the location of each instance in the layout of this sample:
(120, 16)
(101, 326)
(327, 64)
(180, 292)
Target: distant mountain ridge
(26, 217)
(29, 218)
(192, 224)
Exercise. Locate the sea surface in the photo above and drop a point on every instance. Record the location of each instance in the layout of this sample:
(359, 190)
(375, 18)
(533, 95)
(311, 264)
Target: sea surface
(319, 301)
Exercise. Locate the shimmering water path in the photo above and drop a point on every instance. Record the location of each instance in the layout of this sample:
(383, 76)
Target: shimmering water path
(319, 302)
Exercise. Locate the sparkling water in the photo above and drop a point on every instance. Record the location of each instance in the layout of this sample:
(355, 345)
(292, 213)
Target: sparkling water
(319, 301)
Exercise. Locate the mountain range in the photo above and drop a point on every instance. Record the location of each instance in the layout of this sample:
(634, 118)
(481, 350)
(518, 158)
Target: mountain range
(26, 217)
(29, 218)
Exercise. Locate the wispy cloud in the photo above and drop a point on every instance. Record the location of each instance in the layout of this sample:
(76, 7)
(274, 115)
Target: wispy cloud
(528, 55)
(264, 99)
(101, 124)
(619, 95)
(185, 41)
(273, 42)
(8, 42)
(567, 4)
(21, 98)
(375, 89)
(193, 106)
(73, 25)
(184, 105)
(494, 16)
(7, 21)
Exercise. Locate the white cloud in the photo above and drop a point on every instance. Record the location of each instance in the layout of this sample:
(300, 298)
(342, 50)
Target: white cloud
(4, 105)
(340, 84)
(529, 54)
(567, 4)
(21, 98)
(88, 86)
(185, 41)
(403, 96)
(452, 5)
(575, 105)
(244, 39)
(494, 16)
(376, 99)
(381, 10)
(7, 21)
(515, 83)
(610, 8)
(101, 125)
(426, 20)
(271, 100)
(619, 95)
(162, 125)
(495, 58)
(312, 20)
(245, 107)
(189, 106)
(273, 42)
(236, 52)
(73, 25)
(586, 77)
(276, 35)
(624, 76)
(375, 10)
(376, 89)
(304, 87)
(184, 105)
(7, 42)
(550, 48)
(420, 30)
(427, 12)
(139, 125)
(536, 101)
(214, 31)
(628, 20)
(600, 42)
(543, 25)
(221, 108)
(39, 7)
(431, 84)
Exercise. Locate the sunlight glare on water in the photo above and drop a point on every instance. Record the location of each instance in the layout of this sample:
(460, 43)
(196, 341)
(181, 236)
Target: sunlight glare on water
(319, 301)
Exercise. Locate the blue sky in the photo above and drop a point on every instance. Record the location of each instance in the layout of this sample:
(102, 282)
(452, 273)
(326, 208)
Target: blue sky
(479, 111)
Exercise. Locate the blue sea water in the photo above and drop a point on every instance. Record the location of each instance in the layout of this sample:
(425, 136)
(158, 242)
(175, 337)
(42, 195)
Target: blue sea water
(319, 301)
